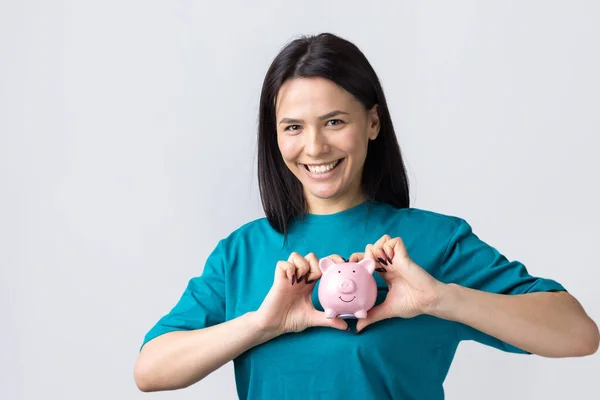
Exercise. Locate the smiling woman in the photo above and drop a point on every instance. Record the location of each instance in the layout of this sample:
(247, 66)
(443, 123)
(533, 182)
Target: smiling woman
(333, 184)
(323, 103)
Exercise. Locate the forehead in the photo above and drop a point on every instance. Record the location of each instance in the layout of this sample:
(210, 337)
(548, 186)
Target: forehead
(313, 96)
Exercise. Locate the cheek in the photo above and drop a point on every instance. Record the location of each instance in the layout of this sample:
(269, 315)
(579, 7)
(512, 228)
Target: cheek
(354, 142)
(288, 148)
(357, 150)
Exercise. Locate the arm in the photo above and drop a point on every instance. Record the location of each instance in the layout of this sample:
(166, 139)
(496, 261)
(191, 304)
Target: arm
(550, 324)
(179, 359)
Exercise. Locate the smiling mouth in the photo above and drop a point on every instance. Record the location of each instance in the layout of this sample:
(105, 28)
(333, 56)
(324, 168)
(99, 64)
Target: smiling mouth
(322, 168)
(348, 301)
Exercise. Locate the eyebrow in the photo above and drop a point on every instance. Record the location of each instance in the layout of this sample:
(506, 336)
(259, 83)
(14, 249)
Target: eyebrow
(322, 117)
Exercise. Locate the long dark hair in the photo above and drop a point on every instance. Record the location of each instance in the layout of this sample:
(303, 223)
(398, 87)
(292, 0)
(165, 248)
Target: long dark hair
(338, 60)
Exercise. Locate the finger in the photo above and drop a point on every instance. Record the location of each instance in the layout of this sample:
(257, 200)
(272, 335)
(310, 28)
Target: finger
(318, 318)
(337, 259)
(379, 252)
(301, 266)
(376, 314)
(284, 270)
(290, 270)
(314, 272)
(373, 253)
(397, 249)
(356, 257)
(388, 249)
(369, 252)
(382, 240)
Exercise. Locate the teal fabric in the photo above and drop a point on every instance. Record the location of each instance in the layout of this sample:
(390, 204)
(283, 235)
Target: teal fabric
(392, 359)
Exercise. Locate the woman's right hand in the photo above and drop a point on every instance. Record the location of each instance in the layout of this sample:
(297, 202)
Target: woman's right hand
(288, 306)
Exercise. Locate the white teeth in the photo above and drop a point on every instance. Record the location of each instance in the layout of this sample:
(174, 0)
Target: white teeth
(321, 169)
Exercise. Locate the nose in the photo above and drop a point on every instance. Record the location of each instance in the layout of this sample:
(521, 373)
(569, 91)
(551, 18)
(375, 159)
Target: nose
(346, 286)
(315, 143)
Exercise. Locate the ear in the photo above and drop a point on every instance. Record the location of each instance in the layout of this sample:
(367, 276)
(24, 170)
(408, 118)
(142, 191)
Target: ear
(368, 264)
(373, 122)
(325, 263)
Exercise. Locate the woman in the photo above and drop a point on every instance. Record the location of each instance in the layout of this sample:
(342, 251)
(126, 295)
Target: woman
(333, 184)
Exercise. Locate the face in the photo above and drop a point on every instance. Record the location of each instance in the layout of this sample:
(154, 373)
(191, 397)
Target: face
(323, 134)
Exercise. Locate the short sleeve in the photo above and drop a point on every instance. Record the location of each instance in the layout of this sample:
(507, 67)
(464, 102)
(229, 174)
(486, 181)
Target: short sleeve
(201, 305)
(470, 262)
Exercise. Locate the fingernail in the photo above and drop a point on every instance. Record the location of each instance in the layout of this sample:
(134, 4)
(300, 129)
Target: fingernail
(388, 258)
(293, 279)
(381, 270)
(381, 260)
(309, 282)
(300, 279)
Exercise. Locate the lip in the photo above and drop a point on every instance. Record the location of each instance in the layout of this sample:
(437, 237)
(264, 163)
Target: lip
(326, 175)
(350, 301)
(323, 163)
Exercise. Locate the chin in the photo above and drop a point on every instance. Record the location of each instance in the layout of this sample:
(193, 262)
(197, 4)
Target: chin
(325, 194)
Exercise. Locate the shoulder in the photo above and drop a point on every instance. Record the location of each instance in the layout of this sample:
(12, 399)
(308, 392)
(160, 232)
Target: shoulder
(429, 236)
(426, 224)
(447, 226)
(418, 217)
(250, 231)
(242, 240)
(430, 218)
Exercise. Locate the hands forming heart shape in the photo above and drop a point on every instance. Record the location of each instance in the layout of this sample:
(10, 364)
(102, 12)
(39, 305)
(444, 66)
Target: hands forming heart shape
(288, 306)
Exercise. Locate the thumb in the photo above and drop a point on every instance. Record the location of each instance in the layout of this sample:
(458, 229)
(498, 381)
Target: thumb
(374, 315)
(318, 318)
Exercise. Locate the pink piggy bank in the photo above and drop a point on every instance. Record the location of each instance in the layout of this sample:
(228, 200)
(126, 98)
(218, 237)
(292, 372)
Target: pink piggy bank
(348, 289)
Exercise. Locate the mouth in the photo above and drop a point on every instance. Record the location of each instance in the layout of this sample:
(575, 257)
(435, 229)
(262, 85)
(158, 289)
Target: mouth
(347, 301)
(322, 169)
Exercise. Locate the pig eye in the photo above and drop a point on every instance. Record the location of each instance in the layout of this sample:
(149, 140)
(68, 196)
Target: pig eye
(339, 272)
(353, 271)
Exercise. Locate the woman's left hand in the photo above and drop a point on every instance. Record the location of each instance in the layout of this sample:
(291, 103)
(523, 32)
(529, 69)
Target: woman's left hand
(412, 290)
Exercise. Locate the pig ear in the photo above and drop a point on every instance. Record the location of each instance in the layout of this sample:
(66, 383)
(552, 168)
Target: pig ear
(325, 263)
(368, 264)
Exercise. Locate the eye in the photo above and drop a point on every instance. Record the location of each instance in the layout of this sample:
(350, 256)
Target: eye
(337, 122)
(339, 272)
(292, 128)
(353, 271)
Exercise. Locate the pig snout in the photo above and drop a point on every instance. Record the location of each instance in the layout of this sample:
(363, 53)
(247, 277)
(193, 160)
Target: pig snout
(346, 286)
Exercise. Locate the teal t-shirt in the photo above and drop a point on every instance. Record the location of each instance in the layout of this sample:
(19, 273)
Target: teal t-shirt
(392, 359)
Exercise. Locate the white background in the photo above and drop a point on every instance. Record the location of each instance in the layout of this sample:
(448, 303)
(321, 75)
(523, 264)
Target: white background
(127, 150)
